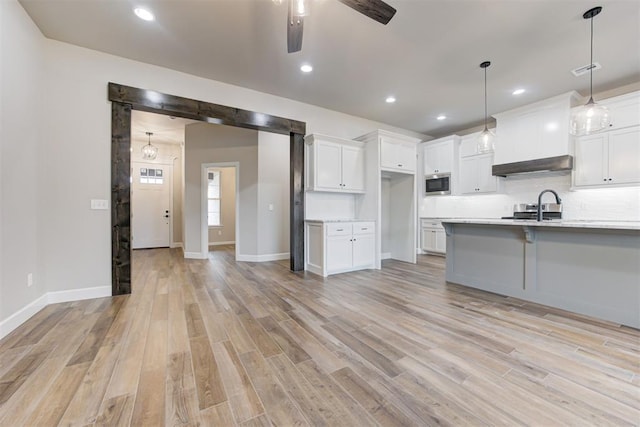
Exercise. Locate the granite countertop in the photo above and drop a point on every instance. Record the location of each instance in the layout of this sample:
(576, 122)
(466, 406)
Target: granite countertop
(558, 223)
(323, 221)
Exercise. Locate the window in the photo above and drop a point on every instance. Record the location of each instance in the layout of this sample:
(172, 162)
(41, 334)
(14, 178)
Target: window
(213, 198)
(151, 176)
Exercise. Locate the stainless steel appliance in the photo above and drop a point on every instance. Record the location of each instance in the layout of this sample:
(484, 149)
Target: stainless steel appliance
(437, 184)
(529, 211)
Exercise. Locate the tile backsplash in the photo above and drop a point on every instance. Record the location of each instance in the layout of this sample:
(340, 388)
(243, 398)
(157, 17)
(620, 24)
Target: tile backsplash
(615, 203)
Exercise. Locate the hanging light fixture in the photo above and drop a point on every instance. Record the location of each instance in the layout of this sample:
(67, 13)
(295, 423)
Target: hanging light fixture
(486, 138)
(149, 152)
(591, 117)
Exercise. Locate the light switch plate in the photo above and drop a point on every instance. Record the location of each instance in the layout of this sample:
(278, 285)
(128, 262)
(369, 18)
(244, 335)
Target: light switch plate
(99, 204)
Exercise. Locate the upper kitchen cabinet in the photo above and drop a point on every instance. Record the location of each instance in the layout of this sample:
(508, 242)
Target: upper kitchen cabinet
(608, 158)
(535, 131)
(624, 110)
(475, 168)
(334, 164)
(397, 152)
(440, 155)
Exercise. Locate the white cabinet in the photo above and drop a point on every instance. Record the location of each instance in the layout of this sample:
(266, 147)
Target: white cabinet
(475, 175)
(534, 131)
(334, 164)
(338, 247)
(397, 155)
(608, 158)
(432, 236)
(440, 155)
(624, 110)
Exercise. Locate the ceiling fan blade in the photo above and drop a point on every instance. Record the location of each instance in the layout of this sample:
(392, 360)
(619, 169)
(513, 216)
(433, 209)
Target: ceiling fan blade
(374, 9)
(295, 25)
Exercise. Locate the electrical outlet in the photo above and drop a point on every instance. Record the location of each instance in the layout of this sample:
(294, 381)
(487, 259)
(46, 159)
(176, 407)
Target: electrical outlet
(219, 232)
(270, 206)
(99, 204)
(29, 280)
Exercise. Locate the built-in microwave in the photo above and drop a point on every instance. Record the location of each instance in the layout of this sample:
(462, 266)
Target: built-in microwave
(437, 184)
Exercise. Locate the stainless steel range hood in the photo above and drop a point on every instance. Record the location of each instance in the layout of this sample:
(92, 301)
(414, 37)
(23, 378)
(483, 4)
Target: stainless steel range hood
(548, 164)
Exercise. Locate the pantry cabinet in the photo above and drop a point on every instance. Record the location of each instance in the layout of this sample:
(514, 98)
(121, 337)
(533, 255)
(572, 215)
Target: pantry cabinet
(334, 164)
(608, 158)
(397, 155)
(338, 247)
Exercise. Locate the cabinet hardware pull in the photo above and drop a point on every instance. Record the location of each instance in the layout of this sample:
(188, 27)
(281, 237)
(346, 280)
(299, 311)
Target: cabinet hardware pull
(609, 179)
(604, 179)
(340, 229)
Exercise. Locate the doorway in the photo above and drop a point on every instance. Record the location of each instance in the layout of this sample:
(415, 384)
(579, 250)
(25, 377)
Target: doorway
(151, 200)
(124, 99)
(220, 205)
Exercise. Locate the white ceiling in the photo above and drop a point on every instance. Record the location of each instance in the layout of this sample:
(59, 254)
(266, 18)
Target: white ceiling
(165, 129)
(427, 56)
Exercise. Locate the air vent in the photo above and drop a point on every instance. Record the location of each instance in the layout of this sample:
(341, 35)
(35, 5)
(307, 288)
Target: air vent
(585, 69)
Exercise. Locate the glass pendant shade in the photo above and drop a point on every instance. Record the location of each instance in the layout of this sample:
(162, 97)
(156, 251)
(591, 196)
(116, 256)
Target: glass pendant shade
(588, 119)
(149, 152)
(591, 117)
(486, 141)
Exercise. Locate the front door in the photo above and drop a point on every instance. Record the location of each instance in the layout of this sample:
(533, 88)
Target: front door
(151, 205)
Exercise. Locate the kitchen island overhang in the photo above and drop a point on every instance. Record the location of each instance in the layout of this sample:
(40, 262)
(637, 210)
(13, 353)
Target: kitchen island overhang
(588, 267)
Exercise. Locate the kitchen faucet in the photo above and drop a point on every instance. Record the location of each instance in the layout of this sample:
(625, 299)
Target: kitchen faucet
(539, 212)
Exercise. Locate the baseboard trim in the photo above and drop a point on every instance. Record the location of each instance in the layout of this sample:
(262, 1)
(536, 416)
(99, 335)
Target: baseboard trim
(78, 294)
(230, 242)
(263, 258)
(385, 255)
(18, 318)
(175, 245)
(195, 255)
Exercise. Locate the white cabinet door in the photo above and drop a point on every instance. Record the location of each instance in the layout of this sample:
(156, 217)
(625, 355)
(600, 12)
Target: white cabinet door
(353, 168)
(397, 155)
(438, 157)
(475, 175)
(364, 250)
(468, 175)
(328, 165)
(441, 241)
(591, 160)
(624, 156)
(469, 145)
(487, 183)
(427, 239)
(339, 253)
(624, 111)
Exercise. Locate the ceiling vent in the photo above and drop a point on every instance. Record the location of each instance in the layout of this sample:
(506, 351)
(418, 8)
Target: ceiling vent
(585, 69)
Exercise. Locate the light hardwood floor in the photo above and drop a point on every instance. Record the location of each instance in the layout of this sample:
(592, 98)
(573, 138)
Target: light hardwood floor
(223, 343)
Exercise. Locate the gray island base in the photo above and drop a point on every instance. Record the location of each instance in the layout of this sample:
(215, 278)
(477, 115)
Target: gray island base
(587, 267)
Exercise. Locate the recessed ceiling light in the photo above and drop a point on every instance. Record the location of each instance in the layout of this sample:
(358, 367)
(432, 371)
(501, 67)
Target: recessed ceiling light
(390, 99)
(441, 117)
(144, 14)
(306, 68)
(518, 92)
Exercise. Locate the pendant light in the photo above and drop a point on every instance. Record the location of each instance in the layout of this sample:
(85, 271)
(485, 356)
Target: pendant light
(591, 117)
(486, 138)
(149, 152)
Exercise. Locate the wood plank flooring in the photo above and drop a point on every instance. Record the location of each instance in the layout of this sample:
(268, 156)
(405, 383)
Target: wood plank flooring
(220, 343)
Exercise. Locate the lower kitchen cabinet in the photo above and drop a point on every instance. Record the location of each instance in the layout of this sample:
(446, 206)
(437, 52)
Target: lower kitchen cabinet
(432, 236)
(338, 247)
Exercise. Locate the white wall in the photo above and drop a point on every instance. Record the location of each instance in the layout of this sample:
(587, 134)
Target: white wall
(226, 232)
(22, 214)
(209, 143)
(594, 204)
(274, 191)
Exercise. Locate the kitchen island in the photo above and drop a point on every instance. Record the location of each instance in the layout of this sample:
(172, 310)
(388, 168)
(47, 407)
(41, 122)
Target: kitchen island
(589, 267)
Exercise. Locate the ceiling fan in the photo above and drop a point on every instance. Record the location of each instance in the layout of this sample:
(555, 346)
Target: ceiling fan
(298, 9)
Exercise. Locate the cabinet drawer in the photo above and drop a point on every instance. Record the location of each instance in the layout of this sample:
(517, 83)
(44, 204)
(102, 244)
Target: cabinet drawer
(338, 229)
(430, 223)
(360, 228)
